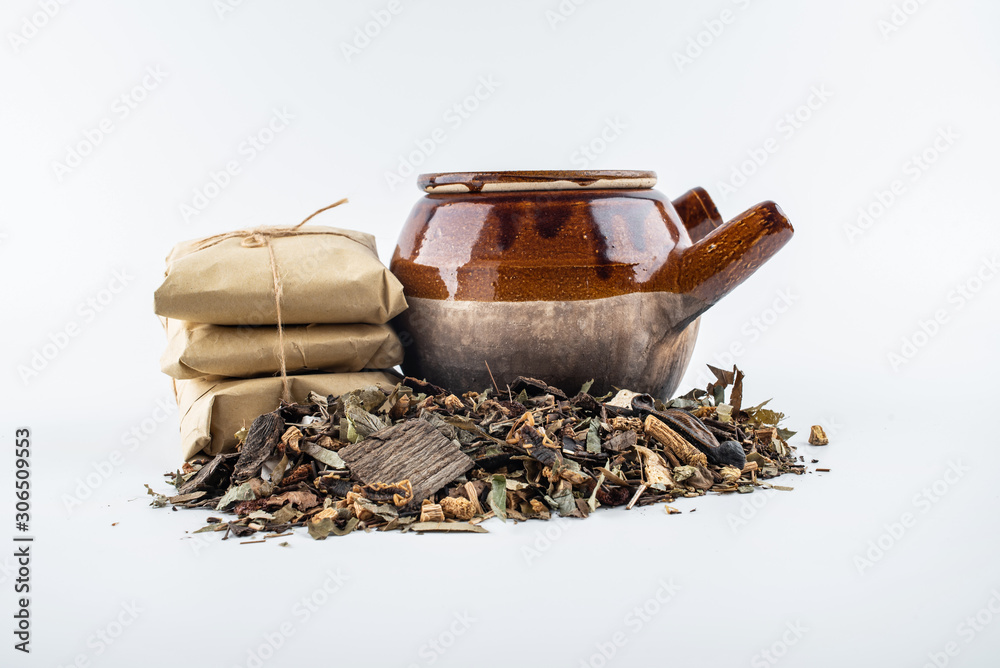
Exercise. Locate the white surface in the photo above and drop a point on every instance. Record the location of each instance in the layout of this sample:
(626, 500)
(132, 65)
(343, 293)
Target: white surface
(824, 360)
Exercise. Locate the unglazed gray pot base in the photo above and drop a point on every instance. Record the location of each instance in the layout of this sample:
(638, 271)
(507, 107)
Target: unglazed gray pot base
(640, 341)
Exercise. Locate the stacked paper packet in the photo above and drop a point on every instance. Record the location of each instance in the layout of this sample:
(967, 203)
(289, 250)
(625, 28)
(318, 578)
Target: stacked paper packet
(219, 304)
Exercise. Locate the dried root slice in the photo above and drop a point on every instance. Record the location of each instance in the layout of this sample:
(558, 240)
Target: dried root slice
(457, 508)
(333, 513)
(400, 408)
(538, 506)
(431, 512)
(686, 453)
(470, 491)
(730, 474)
(297, 475)
(453, 403)
(655, 468)
(355, 506)
(817, 436)
(290, 439)
(626, 424)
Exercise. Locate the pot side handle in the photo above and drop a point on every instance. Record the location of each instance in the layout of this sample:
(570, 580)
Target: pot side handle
(698, 213)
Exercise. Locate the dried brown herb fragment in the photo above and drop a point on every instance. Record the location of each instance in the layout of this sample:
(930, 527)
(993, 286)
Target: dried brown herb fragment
(817, 436)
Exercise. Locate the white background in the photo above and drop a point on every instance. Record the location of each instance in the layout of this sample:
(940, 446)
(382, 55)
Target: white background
(743, 573)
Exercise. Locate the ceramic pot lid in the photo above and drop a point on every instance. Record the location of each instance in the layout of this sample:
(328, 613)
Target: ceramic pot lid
(465, 182)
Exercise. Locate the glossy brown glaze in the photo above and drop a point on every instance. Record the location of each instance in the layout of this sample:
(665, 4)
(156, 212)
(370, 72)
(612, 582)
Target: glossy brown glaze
(569, 245)
(527, 246)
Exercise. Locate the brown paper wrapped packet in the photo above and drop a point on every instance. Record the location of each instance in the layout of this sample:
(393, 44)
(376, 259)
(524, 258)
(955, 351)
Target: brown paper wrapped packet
(196, 350)
(212, 410)
(327, 275)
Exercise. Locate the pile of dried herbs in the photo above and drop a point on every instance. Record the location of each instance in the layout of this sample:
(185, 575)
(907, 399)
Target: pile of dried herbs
(422, 459)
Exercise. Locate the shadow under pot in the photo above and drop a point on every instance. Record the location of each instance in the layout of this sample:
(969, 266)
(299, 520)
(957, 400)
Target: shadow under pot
(567, 276)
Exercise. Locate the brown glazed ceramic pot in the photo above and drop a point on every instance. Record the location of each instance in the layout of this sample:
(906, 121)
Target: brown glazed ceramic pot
(567, 276)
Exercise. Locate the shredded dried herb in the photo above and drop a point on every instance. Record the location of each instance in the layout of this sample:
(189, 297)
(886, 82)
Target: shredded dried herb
(419, 458)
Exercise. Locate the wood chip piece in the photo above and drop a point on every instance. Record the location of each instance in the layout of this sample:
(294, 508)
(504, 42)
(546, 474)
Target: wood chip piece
(431, 512)
(635, 497)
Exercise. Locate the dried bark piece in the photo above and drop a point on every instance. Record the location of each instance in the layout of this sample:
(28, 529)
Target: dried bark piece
(413, 450)
(817, 436)
(431, 512)
(672, 441)
(765, 436)
(213, 475)
(264, 435)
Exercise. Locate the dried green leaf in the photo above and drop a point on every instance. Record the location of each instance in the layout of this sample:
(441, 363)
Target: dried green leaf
(498, 497)
(785, 434)
(352, 434)
(768, 418)
(736, 394)
(593, 438)
(718, 394)
(159, 500)
(592, 501)
(321, 454)
(320, 529)
(236, 494)
(351, 525)
(286, 514)
(585, 388)
(218, 526)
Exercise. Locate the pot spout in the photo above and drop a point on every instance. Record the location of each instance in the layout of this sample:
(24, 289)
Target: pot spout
(728, 255)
